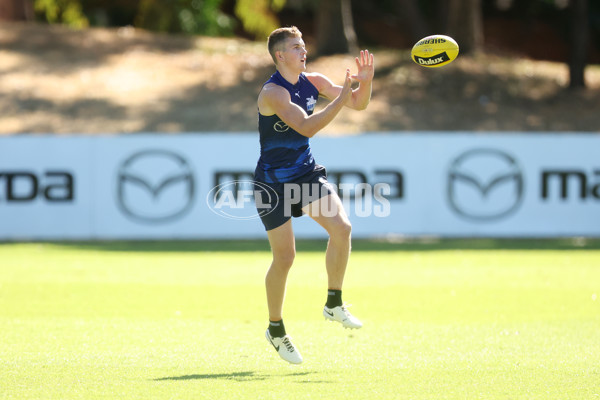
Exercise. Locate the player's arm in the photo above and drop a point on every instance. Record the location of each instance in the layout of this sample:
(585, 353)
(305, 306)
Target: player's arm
(274, 99)
(361, 96)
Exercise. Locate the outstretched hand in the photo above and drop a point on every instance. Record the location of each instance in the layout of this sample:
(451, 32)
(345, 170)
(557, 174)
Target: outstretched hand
(366, 67)
(347, 88)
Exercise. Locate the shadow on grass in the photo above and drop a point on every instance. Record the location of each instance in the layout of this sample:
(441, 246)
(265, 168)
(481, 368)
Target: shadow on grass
(358, 245)
(234, 376)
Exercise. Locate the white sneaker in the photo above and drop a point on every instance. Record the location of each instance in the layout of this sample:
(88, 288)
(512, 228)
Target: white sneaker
(285, 348)
(342, 315)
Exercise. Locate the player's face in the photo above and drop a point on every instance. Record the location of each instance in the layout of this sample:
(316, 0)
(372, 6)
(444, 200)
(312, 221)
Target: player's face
(295, 53)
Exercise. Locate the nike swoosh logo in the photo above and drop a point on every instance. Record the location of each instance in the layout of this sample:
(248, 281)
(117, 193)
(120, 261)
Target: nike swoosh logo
(273, 344)
(330, 313)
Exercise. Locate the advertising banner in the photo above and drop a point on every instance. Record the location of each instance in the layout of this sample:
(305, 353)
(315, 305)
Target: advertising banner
(200, 186)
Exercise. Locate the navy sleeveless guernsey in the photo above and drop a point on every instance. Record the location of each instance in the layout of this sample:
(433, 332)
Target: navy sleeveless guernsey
(284, 153)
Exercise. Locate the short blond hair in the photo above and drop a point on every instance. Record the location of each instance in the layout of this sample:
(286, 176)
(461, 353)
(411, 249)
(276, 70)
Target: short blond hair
(279, 36)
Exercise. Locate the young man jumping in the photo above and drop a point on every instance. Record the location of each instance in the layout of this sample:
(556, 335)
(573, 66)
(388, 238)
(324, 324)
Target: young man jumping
(286, 121)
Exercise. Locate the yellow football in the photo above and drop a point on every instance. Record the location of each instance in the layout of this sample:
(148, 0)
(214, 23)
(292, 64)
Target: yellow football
(434, 51)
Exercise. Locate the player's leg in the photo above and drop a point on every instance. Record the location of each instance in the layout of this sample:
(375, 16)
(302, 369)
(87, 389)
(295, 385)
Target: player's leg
(283, 248)
(328, 211)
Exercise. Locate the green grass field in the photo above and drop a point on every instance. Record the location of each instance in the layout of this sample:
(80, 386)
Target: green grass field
(454, 319)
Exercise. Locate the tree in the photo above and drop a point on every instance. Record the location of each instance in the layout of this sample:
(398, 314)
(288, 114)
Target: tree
(68, 12)
(465, 24)
(16, 10)
(187, 16)
(335, 27)
(410, 16)
(579, 42)
(259, 17)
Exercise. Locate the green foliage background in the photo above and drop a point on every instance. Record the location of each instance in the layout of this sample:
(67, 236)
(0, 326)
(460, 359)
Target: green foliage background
(187, 16)
(68, 12)
(257, 18)
(201, 17)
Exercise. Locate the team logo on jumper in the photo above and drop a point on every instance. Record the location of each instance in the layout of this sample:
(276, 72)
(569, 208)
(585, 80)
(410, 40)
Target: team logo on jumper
(155, 186)
(484, 184)
(280, 126)
(310, 103)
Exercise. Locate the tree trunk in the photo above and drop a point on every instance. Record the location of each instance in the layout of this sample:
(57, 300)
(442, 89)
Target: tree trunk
(16, 10)
(348, 23)
(335, 28)
(579, 43)
(441, 16)
(411, 17)
(465, 24)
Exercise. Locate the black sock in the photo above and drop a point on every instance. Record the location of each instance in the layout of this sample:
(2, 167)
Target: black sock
(276, 328)
(334, 298)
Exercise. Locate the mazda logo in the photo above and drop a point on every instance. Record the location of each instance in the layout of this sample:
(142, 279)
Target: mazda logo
(484, 184)
(280, 126)
(155, 186)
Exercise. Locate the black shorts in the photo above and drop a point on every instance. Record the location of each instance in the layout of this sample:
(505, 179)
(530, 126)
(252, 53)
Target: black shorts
(276, 203)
